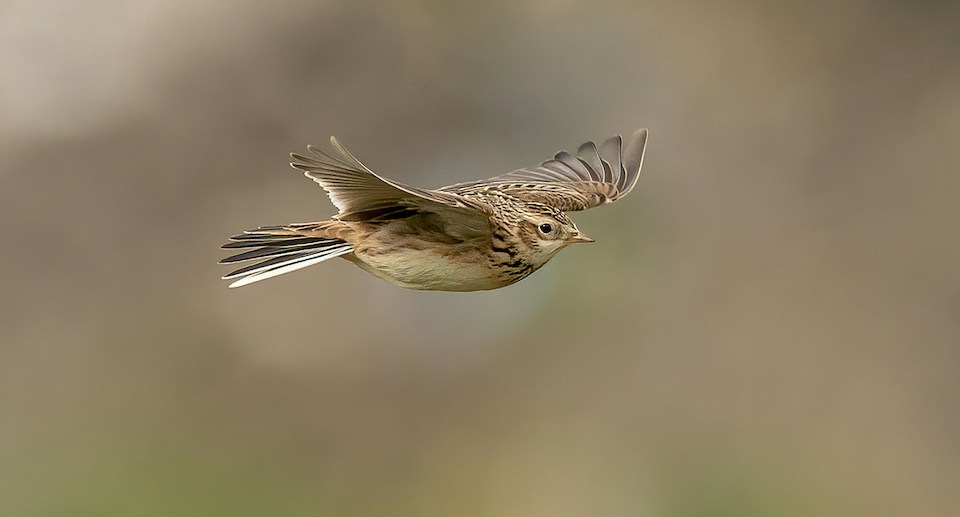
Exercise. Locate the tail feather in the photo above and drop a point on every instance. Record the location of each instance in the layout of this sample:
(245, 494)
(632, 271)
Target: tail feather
(270, 251)
(279, 250)
(257, 241)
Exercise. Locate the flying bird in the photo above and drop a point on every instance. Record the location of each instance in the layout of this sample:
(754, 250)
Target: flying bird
(471, 236)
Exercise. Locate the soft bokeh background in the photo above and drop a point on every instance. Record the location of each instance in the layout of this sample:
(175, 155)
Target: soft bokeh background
(769, 325)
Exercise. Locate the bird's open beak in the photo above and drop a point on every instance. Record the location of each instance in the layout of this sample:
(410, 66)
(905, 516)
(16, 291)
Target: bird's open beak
(579, 237)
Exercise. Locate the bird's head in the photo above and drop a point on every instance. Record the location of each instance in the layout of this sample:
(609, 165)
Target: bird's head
(547, 230)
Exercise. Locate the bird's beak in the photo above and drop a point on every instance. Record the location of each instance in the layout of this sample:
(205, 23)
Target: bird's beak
(579, 237)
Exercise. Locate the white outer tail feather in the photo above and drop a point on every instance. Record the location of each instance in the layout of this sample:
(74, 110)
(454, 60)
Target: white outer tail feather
(292, 265)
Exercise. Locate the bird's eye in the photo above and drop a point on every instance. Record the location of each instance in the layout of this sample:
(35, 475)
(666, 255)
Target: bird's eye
(546, 228)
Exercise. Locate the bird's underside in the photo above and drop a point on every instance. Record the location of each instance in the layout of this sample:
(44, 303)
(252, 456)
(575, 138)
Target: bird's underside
(464, 237)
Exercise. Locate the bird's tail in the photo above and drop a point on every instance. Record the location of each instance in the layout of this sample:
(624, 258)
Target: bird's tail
(281, 249)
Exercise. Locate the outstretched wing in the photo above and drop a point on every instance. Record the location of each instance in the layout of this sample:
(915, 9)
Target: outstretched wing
(566, 182)
(362, 195)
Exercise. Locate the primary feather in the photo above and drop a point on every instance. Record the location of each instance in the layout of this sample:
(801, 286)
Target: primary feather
(568, 182)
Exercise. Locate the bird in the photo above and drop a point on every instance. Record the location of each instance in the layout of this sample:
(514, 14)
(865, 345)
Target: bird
(471, 236)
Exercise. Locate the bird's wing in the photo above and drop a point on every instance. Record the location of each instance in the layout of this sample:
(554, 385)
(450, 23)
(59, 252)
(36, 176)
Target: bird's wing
(362, 195)
(566, 182)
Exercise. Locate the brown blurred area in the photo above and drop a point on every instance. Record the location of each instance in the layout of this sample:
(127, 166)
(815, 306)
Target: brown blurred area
(768, 325)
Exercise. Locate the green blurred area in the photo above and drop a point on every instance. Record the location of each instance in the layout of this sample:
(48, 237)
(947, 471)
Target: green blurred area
(766, 326)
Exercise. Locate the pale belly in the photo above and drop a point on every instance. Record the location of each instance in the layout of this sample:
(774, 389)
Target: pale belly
(462, 270)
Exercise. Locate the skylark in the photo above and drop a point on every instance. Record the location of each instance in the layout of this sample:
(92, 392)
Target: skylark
(469, 236)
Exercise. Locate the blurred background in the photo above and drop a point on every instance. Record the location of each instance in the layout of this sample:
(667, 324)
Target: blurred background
(768, 325)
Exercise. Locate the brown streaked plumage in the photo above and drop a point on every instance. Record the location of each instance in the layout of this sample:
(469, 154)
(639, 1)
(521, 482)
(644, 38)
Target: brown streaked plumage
(465, 237)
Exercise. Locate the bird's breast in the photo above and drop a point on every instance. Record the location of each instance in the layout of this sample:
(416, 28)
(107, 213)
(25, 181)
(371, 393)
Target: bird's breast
(464, 266)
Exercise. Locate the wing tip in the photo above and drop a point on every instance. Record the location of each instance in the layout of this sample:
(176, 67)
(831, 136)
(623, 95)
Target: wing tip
(633, 157)
(639, 137)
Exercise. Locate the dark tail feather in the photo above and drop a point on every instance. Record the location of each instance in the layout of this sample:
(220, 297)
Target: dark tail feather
(279, 250)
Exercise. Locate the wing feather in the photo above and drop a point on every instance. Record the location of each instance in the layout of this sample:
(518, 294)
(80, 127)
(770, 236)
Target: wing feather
(610, 153)
(591, 157)
(591, 178)
(358, 192)
(571, 161)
